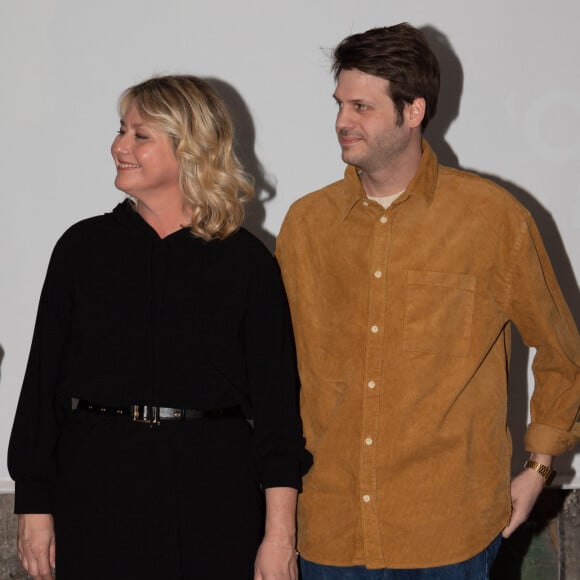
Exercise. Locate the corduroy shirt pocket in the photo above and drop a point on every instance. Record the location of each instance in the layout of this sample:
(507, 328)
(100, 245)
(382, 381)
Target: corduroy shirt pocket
(438, 312)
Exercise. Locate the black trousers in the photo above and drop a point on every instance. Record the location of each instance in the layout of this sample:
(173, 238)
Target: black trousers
(173, 502)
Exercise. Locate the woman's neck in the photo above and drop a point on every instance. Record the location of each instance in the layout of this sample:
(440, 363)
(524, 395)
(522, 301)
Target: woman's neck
(165, 219)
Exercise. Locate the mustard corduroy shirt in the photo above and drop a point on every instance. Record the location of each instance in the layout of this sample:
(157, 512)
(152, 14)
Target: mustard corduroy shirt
(402, 323)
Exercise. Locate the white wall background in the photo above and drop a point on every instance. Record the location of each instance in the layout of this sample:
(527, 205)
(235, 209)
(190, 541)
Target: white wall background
(511, 110)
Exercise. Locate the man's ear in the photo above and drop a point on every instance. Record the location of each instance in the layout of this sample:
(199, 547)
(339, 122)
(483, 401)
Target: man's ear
(415, 112)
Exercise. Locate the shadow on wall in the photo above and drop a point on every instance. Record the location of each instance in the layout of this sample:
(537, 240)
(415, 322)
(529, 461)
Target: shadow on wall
(449, 95)
(244, 146)
(448, 111)
(1, 359)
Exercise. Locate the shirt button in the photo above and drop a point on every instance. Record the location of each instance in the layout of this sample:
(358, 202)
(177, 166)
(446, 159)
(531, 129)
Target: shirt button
(366, 498)
(365, 203)
(383, 219)
(371, 384)
(368, 441)
(374, 329)
(378, 274)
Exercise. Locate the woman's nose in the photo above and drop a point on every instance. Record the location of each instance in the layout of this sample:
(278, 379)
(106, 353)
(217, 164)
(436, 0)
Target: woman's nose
(120, 144)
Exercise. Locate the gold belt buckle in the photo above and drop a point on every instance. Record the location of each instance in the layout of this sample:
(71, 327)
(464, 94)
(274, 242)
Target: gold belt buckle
(145, 414)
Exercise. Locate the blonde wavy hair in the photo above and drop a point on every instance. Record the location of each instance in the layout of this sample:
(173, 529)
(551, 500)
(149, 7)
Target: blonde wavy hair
(213, 182)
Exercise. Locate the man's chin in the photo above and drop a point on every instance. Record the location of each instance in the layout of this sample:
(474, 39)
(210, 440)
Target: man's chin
(349, 159)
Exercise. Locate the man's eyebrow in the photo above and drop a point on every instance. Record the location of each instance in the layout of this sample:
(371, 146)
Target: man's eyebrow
(353, 100)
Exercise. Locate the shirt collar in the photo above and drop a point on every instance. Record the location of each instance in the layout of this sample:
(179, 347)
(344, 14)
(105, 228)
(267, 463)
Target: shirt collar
(422, 185)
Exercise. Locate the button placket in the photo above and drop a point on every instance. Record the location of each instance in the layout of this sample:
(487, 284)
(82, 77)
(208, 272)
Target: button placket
(377, 270)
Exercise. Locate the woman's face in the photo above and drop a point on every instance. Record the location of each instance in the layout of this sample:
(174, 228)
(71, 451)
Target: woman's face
(146, 165)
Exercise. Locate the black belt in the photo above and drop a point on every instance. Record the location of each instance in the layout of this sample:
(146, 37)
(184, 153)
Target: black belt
(153, 415)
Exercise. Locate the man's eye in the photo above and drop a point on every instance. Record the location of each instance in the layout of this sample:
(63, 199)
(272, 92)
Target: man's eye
(361, 107)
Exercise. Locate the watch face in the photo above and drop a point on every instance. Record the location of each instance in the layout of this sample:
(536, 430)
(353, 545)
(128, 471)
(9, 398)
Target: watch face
(544, 470)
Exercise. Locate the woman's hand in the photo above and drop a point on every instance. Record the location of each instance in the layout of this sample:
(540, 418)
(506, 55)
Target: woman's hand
(276, 562)
(36, 546)
(276, 558)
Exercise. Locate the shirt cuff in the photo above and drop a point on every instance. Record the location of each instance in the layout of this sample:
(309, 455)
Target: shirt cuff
(287, 471)
(550, 440)
(33, 497)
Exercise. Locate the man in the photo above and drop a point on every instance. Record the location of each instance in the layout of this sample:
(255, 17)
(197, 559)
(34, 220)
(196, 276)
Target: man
(403, 280)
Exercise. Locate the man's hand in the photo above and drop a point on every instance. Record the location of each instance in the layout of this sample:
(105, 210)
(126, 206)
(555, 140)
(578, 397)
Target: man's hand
(36, 545)
(525, 489)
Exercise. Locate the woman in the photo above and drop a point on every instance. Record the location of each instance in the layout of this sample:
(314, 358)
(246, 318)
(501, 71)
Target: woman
(167, 322)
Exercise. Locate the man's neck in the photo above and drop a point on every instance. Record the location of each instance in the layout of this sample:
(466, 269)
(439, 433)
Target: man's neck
(393, 177)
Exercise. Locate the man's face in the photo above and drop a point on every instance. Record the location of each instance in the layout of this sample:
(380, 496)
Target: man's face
(370, 132)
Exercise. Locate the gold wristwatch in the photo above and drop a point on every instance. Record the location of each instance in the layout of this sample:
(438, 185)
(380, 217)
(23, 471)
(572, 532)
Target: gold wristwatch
(544, 470)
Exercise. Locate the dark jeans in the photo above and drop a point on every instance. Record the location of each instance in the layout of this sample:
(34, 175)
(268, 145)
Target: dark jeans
(476, 568)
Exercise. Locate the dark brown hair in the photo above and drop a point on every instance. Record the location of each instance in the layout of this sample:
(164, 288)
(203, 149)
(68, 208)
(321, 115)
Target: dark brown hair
(399, 54)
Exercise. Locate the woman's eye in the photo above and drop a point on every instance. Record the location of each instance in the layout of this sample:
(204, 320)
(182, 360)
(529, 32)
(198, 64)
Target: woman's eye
(140, 136)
